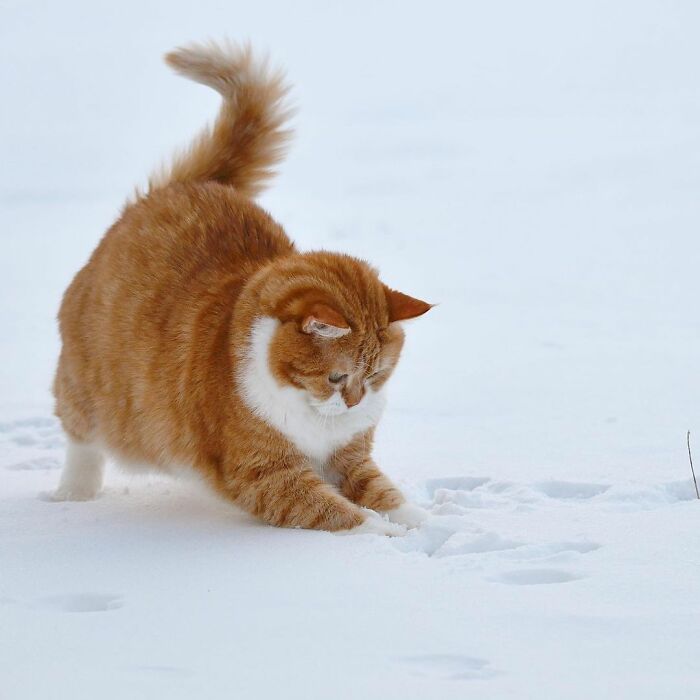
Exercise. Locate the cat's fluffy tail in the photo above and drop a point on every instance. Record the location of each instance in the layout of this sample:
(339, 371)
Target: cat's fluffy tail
(248, 137)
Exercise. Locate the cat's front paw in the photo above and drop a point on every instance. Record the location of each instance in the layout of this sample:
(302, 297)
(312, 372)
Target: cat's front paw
(374, 524)
(408, 514)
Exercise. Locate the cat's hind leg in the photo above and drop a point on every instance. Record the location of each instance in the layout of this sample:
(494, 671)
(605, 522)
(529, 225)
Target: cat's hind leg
(81, 478)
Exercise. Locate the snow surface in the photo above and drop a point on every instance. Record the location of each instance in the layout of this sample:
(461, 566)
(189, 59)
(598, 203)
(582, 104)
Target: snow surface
(534, 167)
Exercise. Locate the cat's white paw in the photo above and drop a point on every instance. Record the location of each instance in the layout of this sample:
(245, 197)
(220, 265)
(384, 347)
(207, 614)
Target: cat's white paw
(408, 514)
(81, 478)
(376, 525)
(74, 493)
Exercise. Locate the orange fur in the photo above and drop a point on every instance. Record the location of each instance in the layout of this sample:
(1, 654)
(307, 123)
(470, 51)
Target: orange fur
(157, 326)
(247, 138)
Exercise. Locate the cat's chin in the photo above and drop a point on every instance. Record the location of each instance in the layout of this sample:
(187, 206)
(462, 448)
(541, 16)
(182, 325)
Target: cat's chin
(335, 405)
(330, 411)
(331, 408)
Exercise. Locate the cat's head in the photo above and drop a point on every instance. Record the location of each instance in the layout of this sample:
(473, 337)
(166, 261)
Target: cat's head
(337, 336)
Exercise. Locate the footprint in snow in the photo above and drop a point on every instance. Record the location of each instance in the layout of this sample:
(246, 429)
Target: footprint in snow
(41, 432)
(475, 543)
(37, 422)
(488, 548)
(551, 552)
(38, 464)
(81, 602)
(455, 483)
(577, 490)
(461, 496)
(453, 667)
(535, 577)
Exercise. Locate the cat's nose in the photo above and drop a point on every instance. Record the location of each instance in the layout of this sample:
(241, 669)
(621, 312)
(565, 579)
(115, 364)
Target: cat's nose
(352, 394)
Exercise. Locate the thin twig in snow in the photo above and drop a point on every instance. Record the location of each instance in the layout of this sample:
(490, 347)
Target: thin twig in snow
(690, 457)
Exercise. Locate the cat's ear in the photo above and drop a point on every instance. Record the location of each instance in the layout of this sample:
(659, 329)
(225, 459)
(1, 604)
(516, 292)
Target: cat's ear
(402, 307)
(325, 322)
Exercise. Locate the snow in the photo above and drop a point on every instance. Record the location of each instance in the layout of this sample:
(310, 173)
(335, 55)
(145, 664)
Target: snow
(533, 167)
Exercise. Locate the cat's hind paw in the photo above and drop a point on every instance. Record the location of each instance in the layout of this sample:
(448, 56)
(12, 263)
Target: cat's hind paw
(74, 493)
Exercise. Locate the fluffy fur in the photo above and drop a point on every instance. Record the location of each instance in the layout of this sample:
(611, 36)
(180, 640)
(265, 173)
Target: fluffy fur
(197, 334)
(315, 428)
(248, 137)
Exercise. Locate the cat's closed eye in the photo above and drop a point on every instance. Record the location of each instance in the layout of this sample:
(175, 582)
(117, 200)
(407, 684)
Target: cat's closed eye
(337, 378)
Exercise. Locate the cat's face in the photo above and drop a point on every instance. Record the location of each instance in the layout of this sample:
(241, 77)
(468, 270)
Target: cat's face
(335, 371)
(339, 342)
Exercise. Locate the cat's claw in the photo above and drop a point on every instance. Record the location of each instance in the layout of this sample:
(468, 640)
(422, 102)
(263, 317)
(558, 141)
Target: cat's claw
(408, 514)
(376, 525)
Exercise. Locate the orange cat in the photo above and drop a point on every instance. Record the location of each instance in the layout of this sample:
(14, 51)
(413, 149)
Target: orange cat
(197, 335)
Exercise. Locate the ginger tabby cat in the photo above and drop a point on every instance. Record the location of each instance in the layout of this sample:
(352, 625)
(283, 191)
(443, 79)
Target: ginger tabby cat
(198, 335)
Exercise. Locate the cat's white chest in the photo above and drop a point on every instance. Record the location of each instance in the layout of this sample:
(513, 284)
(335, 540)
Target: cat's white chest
(287, 408)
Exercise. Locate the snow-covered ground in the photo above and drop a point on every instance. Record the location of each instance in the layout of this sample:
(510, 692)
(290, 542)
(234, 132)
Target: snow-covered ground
(535, 168)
